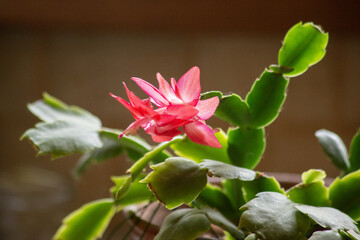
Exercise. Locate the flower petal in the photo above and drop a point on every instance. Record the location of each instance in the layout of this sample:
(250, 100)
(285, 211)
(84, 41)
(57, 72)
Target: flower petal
(182, 111)
(152, 91)
(136, 114)
(167, 91)
(162, 137)
(207, 107)
(133, 127)
(143, 106)
(189, 86)
(202, 134)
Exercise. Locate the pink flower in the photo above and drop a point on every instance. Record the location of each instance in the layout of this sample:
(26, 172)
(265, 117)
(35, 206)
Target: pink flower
(178, 106)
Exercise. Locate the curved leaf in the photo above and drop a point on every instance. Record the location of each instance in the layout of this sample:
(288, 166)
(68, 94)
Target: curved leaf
(219, 220)
(184, 224)
(326, 235)
(152, 155)
(266, 98)
(176, 181)
(88, 222)
(355, 152)
(233, 110)
(65, 129)
(127, 192)
(303, 46)
(334, 147)
(260, 184)
(246, 146)
(227, 171)
(273, 217)
(312, 190)
(329, 218)
(344, 194)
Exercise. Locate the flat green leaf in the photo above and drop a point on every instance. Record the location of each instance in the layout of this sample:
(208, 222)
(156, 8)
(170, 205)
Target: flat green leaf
(51, 109)
(227, 171)
(219, 220)
(304, 45)
(326, 235)
(261, 183)
(62, 138)
(88, 222)
(176, 181)
(329, 218)
(312, 190)
(344, 194)
(246, 146)
(184, 224)
(64, 130)
(150, 156)
(188, 149)
(315, 194)
(355, 152)
(334, 147)
(233, 110)
(312, 176)
(266, 98)
(127, 192)
(273, 217)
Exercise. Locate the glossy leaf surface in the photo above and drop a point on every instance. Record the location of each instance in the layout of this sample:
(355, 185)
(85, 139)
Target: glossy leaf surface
(329, 218)
(273, 217)
(188, 149)
(355, 152)
(266, 98)
(184, 224)
(334, 147)
(260, 184)
(233, 110)
(176, 181)
(226, 171)
(246, 146)
(344, 194)
(303, 46)
(88, 222)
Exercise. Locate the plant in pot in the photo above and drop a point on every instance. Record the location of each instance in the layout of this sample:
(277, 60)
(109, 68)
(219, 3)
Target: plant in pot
(243, 204)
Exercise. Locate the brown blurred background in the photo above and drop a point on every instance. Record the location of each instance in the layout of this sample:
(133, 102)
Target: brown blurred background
(79, 51)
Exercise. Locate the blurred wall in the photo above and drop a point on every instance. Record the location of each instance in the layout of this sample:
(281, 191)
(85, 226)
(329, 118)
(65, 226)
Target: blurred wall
(81, 56)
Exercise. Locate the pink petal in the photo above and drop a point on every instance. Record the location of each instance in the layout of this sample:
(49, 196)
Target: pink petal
(202, 134)
(207, 107)
(136, 114)
(152, 91)
(182, 111)
(162, 137)
(133, 127)
(189, 86)
(143, 106)
(167, 91)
